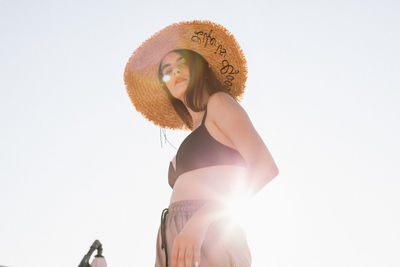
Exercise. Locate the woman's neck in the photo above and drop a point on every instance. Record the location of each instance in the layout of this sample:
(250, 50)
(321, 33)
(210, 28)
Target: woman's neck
(197, 117)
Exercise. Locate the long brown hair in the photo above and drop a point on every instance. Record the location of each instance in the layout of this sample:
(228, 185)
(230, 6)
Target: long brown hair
(201, 78)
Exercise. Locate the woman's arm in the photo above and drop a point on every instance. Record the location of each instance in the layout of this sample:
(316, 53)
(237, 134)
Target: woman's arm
(234, 122)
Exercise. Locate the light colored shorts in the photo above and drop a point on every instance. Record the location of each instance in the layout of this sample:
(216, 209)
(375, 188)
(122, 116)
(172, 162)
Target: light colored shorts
(225, 244)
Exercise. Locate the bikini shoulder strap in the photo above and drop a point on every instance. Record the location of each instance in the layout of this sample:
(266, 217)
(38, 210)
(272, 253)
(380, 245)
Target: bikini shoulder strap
(204, 117)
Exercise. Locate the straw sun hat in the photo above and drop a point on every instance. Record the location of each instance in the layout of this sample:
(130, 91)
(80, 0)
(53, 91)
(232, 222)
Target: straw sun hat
(215, 43)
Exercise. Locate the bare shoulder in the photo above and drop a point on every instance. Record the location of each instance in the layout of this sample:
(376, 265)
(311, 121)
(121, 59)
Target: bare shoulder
(223, 105)
(219, 98)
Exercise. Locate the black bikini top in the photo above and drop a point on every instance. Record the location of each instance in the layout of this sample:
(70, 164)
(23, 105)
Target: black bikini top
(199, 150)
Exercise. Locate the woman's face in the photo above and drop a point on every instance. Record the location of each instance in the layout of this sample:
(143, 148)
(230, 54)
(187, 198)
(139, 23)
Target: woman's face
(175, 73)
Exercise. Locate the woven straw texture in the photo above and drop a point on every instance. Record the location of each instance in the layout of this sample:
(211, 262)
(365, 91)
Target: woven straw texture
(215, 43)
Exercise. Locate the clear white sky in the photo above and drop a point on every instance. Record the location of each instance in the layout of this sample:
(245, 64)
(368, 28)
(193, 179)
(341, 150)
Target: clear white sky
(78, 163)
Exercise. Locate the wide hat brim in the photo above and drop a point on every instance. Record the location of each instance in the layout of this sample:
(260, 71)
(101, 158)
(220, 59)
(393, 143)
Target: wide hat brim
(215, 43)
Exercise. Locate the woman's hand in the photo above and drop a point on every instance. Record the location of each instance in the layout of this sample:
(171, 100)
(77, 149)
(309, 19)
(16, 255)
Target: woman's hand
(188, 243)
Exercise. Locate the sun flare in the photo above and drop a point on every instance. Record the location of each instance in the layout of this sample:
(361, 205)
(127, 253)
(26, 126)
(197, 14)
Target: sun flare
(239, 210)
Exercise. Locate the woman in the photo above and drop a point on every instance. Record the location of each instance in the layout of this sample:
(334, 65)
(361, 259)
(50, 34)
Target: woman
(201, 73)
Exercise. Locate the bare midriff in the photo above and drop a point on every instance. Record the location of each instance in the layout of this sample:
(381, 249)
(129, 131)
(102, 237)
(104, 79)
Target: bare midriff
(214, 182)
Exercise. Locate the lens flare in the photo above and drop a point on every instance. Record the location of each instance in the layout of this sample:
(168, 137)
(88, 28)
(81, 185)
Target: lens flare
(239, 210)
(238, 206)
(166, 78)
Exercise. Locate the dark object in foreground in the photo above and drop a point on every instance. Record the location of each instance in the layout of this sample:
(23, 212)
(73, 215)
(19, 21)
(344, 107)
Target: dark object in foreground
(101, 262)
